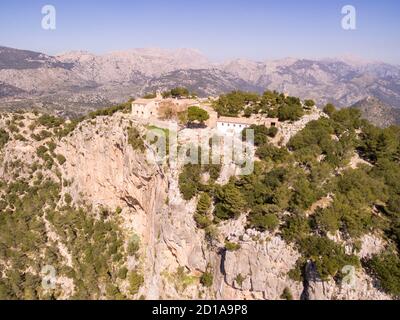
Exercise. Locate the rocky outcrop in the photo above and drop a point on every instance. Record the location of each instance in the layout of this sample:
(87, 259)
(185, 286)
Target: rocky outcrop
(357, 285)
(102, 170)
(261, 267)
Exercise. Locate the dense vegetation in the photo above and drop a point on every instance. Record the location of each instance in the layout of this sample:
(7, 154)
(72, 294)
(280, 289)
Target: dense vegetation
(84, 247)
(178, 92)
(314, 167)
(278, 197)
(270, 103)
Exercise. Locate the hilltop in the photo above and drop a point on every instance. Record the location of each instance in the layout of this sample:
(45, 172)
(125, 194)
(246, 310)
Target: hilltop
(86, 200)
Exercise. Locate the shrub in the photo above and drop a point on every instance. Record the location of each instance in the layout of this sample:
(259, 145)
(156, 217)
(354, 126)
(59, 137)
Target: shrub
(68, 199)
(269, 151)
(386, 267)
(122, 273)
(4, 138)
(231, 104)
(260, 134)
(206, 279)
(61, 159)
(136, 280)
(202, 221)
(189, 181)
(264, 221)
(239, 279)
(151, 95)
(197, 114)
(292, 112)
(272, 132)
(328, 256)
(286, 294)
(50, 121)
(134, 245)
(309, 103)
(329, 109)
(135, 139)
(230, 202)
(231, 246)
(204, 204)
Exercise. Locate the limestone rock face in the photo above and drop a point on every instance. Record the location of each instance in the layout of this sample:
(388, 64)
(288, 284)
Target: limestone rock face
(102, 170)
(262, 268)
(357, 286)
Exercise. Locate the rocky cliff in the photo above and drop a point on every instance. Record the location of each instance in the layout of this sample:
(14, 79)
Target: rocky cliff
(99, 169)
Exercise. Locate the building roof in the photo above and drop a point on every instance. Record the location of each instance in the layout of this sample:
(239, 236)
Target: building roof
(160, 99)
(237, 120)
(146, 101)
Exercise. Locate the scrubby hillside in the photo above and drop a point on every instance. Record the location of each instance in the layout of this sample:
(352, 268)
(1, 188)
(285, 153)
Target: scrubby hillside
(86, 214)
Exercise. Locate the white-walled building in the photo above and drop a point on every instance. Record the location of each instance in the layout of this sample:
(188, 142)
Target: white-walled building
(235, 125)
(232, 125)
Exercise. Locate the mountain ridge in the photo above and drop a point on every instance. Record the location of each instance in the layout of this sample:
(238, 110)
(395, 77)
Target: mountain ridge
(37, 78)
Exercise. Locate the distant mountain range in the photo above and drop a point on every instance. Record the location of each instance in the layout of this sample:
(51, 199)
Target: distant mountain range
(377, 112)
(75, 82)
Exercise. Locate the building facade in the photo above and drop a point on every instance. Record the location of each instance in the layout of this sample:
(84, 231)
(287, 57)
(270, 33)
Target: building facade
(232, 125)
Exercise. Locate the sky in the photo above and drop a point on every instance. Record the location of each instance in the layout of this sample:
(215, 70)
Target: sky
(221, 29)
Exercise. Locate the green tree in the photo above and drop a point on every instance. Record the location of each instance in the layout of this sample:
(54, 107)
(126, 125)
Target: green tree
(329, 109)
(309, 103)
(4, 137)
(197, 114)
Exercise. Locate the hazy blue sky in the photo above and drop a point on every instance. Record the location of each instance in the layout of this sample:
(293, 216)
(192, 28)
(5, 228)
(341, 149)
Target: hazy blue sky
(220, 29)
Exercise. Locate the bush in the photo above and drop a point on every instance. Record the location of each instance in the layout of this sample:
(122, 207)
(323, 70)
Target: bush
(264, 221)
(295, 228)
(309, 103)
(178, 92)
(260, 134)
(136, 280)
(230, 202)
(233, 103)
(122, 273)
(386, 267)
(231, 246)
(197, 114)
(286, 294)
(135, 139)
(189, 181)
(239, 279)
(292, 112)
(272, 132)
(50, 121)
(60, 159)
(329, 109)
(206, 279)
(269, 151)
(124, 107)
(4, 138)
(328, 256)
(150, 95)
(134, 245)
(204, 204)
